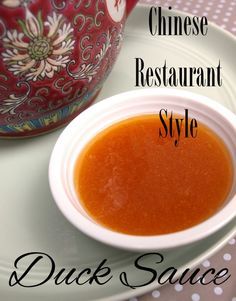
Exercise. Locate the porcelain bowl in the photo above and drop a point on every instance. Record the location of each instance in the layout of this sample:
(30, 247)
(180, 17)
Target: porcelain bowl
(114, 109)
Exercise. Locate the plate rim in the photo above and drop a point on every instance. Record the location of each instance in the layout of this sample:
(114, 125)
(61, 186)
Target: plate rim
(207, 253)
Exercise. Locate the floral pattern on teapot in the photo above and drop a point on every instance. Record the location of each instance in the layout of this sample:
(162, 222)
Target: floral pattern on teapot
(55, 58)
(43, 54)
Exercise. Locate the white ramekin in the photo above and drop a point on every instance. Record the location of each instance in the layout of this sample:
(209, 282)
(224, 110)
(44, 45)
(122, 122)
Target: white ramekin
(122, 106)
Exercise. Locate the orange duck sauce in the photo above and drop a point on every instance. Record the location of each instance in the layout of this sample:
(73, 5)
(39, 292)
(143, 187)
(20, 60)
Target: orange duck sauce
(131, 181)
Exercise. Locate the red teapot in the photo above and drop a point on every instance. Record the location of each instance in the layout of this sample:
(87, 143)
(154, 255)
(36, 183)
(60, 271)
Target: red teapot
(56, 54)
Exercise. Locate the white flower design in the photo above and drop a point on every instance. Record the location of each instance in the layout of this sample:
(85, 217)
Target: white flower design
(88, 71)
(42, 49)
(10, 104)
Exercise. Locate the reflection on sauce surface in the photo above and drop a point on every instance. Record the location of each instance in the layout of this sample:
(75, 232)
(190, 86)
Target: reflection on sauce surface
(134, 182)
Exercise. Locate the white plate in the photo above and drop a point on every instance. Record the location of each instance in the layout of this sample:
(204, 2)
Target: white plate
(30, 220)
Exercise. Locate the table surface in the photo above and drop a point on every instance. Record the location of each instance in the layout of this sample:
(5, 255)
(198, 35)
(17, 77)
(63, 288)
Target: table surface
(222, 13)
